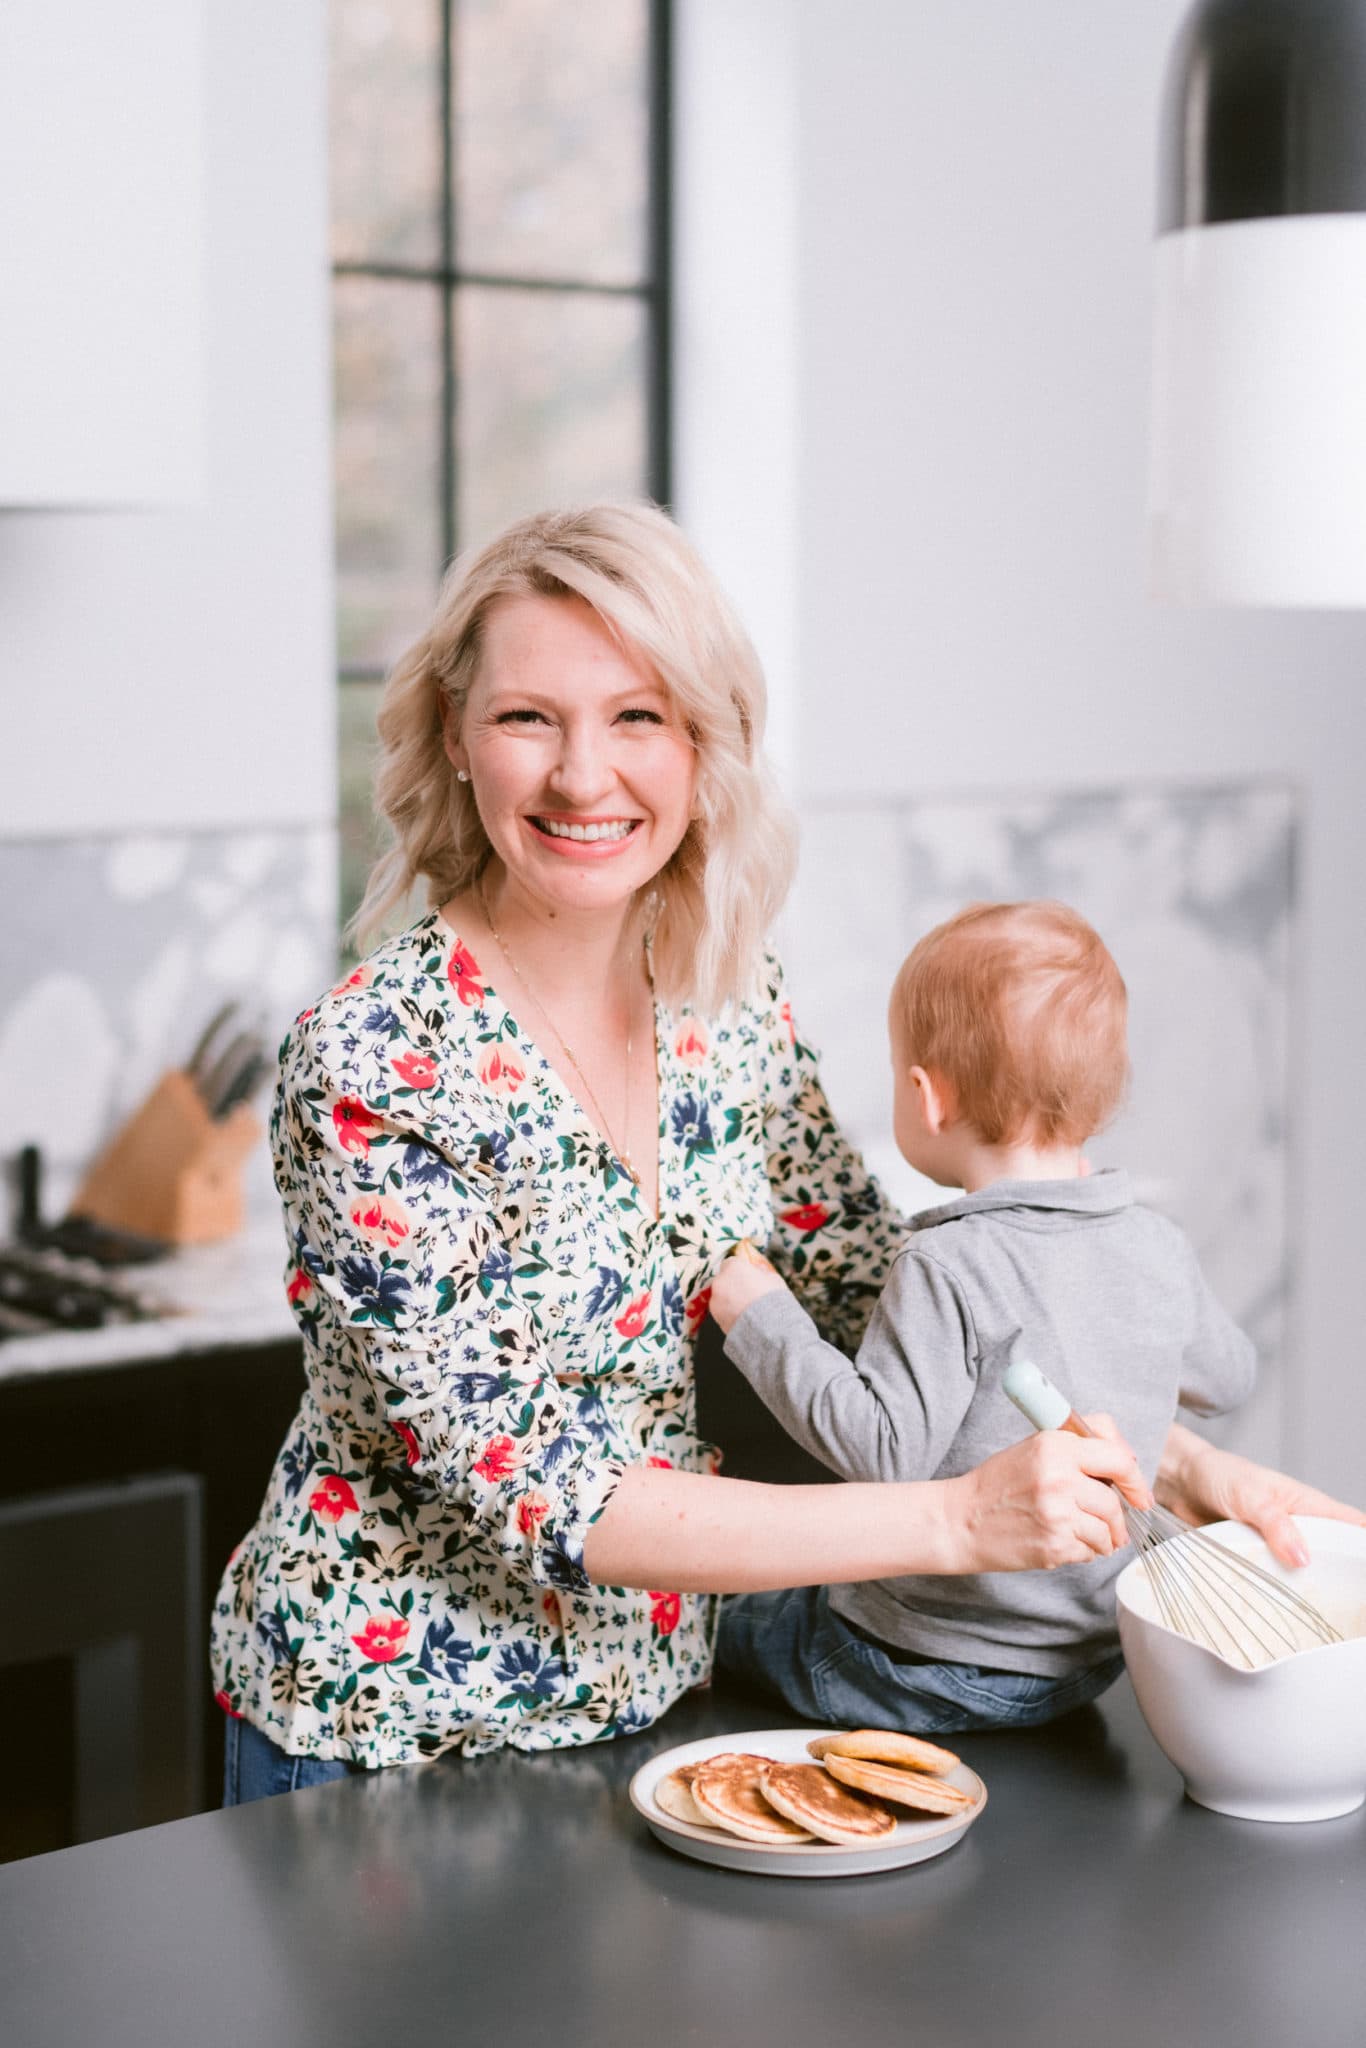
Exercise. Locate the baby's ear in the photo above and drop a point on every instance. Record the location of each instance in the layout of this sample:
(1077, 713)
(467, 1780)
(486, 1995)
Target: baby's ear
(935, 1097)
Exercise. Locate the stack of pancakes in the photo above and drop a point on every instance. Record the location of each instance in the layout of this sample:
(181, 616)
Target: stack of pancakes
(842, 1798)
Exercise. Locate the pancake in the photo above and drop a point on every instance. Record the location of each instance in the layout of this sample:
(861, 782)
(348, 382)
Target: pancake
(808, 1795)
(906, 1788)
(726, 1788)
(673, 1795)
(887, 1746)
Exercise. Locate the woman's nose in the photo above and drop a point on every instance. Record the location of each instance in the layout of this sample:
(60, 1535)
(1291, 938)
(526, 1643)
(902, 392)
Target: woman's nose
(582, 772)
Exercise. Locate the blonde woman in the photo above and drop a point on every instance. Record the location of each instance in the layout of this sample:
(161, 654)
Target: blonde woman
(512, 1148)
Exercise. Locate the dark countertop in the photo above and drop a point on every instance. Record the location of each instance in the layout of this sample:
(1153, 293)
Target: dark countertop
(521, 1898)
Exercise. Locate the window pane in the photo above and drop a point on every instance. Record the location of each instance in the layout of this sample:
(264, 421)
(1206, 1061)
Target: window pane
(551, 106)
(385, 99)
(550, 402)
(387, 373)
(361, 842)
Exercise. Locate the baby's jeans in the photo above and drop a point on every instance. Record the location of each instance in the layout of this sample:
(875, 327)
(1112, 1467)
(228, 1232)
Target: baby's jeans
(791, 1645)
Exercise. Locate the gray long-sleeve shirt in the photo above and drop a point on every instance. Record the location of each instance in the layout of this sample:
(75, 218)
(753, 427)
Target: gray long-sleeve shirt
(1108, 1300)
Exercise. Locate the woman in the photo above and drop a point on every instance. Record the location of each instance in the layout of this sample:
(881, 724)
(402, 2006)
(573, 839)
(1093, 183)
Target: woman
(512, 1148)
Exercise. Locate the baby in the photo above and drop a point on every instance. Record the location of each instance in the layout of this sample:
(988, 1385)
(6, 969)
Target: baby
(1008, 1043)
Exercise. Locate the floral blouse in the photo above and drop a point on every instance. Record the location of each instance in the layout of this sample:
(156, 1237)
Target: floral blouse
(495, 1326)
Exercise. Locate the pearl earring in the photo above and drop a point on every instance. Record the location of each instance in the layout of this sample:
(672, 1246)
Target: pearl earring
(462, 774)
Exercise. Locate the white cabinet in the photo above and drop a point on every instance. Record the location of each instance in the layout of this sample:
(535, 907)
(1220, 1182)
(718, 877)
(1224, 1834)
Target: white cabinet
(102, 232)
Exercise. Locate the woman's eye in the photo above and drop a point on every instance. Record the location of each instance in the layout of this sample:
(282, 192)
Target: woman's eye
(639, 714)
(524, 716)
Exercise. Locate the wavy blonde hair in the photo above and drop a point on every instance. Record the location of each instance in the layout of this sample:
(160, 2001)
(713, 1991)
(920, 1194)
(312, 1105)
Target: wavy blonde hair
(718, 894)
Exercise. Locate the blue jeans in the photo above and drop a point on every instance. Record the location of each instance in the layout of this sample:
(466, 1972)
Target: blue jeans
(791, 1645)
(254, 1767)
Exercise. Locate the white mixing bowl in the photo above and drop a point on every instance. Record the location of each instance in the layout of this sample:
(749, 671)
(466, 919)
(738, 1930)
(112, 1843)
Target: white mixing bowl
(1287, 1742)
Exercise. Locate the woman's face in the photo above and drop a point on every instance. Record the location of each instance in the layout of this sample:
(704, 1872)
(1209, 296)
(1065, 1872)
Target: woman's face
(579, 763)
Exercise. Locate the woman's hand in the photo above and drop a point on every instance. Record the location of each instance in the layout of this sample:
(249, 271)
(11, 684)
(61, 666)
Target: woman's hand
(1044, 1502)
(1202, 1483)
(744, 1276)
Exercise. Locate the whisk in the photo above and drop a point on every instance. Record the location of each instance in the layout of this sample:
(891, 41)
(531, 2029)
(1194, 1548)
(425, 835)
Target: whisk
(1203, 1589)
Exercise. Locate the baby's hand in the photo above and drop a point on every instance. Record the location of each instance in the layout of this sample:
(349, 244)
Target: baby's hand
(745, 1276)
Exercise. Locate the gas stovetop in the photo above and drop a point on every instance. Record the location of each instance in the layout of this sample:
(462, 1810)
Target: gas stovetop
(44, 1289)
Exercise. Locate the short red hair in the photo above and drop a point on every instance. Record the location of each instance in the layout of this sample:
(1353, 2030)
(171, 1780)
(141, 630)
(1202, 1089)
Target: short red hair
(1021, 1010)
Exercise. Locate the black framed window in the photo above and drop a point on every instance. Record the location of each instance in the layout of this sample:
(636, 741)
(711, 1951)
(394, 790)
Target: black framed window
(500, 251)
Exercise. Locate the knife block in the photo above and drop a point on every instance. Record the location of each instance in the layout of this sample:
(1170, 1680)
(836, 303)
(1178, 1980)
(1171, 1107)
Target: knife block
(173, 1171)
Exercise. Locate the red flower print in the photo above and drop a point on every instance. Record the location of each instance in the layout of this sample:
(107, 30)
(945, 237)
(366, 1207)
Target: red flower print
(718, 1459)
(333, 1498)
(300, 1284)
(664, 1612)
(410, 1442)
(786, 1014)
(353, 1120)
(692, 1043)
(220, 1699)
(501, 1070)
(807, 1216)
(382, 1216)
(359, 977)
(382, 1640)
(416, 1069)
(633, 1321)
(462, 971)
(664, 1464)
(532, 1510)
(500, 1458)
(696, 1309)
(550, 1607)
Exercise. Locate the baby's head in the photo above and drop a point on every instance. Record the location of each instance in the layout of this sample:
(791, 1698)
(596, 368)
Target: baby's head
(1008, 1027)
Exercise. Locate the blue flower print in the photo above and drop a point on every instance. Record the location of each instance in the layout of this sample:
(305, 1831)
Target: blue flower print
(444, 1654)
(692, 1127)
(532, 1678)
(423, 1167)
(630, 1720)
(377, 1294)
(496, 1270)
(590, 1414)
(604, 1294)
(671, 1306)
(296, 1462)
(563, 1565)
(479, 1386)
(382, 1018)
(274, 1637)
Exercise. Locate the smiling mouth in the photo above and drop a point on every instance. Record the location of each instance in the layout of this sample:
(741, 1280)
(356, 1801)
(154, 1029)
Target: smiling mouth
(611, 829)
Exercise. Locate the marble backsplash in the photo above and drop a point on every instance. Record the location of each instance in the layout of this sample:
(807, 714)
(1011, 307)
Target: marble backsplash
(1194, 892)
(115, 951)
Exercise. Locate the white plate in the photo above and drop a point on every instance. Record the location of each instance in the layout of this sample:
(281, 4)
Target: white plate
(913, 1842)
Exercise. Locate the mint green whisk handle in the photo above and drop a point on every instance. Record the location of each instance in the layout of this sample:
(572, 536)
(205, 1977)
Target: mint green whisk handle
(1039, 1401)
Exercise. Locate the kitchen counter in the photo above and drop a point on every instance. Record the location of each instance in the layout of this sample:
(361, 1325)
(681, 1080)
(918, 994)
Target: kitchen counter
(210, 1297)
(522, 1898)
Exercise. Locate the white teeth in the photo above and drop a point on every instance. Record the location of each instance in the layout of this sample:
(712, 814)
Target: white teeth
(618, 829)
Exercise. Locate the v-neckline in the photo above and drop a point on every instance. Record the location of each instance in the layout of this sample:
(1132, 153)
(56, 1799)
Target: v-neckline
(602, 1139)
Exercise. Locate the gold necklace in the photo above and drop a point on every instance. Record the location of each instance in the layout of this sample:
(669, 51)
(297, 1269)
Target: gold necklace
(622, 1151)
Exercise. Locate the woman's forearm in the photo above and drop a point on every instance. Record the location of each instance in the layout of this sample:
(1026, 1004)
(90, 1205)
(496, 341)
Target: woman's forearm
(695, 1534)
(1043, 1502)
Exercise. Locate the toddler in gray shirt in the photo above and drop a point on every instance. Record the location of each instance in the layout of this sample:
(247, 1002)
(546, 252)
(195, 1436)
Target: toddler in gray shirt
(1008, 1029)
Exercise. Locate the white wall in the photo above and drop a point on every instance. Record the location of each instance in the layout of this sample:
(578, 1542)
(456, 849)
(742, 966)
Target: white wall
(736, 344)
(176, 668)
(970, 293)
